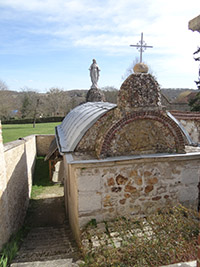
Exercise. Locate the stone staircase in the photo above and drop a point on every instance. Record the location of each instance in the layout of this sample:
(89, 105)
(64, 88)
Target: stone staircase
(48, 243)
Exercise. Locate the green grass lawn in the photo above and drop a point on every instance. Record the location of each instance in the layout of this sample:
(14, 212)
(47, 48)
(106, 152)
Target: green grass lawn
(12, 132)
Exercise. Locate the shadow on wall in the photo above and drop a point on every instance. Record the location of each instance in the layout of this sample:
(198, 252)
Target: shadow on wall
(14, 201)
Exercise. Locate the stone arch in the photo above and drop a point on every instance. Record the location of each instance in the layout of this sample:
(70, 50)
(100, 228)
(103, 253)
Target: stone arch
(163, 124)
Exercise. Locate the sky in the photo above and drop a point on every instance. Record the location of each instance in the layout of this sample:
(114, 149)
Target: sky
(51, 43)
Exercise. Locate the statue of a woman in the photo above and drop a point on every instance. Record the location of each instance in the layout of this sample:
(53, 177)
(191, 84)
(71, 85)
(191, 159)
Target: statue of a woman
(94, 74)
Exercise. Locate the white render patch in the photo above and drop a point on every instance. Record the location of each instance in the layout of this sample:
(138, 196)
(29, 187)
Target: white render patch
(77, 122)
(188, 138)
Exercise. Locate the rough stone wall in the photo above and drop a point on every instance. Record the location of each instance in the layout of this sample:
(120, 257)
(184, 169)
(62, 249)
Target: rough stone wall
(135, 187)
(193, 128)
(191, 122)
(42, 143)
(142, 133)
(138, 125)
(19, 159)
(93, 136)
(139, 91)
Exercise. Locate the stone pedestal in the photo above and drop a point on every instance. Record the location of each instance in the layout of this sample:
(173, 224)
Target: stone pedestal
(95, 95)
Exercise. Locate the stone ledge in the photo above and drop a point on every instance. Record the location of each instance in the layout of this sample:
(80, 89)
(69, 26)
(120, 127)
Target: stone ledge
(54, 263)
(183, 264)
(10, 145)
(73, 159)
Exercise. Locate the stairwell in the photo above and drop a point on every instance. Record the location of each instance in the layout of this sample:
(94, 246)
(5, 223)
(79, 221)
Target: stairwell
(50, 241)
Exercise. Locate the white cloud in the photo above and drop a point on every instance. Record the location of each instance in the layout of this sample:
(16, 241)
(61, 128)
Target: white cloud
(106, 26)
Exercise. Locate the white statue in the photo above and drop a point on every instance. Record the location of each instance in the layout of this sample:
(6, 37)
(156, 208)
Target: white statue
(94, 74)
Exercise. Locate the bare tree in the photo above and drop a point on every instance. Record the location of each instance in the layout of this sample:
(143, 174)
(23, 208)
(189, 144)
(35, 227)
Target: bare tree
(130, 71)
(57, 102)
(31, 104)
(110, 93)
(3, 86)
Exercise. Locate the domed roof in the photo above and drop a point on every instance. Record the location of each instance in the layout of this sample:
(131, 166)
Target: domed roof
(77, 122)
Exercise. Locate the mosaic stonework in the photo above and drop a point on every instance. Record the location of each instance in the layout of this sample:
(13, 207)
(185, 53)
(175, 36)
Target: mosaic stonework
(95, 134)
(139, 91)
(142, 136)
(138, 125)
(143, 133)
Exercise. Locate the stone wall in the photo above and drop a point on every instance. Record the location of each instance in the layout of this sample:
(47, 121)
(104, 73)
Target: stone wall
(71, 198)
(4, 220)
(138, 125)
(131, 186)
(43, 142)
(191, 122)
(19, 161)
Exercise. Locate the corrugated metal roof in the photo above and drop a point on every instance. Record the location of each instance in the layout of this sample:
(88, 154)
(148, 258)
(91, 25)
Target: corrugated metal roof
(77, 122)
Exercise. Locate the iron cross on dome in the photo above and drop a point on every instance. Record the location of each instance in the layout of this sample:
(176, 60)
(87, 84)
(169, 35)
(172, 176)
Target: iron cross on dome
(141, 46)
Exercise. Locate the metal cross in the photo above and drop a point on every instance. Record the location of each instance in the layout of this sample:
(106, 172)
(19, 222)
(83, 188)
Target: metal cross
(141, 46)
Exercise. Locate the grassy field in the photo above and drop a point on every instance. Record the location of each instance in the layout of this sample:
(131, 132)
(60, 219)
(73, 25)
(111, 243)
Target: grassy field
(12, 132)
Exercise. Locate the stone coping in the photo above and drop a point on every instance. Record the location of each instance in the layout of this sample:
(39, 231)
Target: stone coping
(20, 141)
(183, 264)
(73, 158)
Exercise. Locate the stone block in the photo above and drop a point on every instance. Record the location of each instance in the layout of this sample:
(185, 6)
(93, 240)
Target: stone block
(89, 202)
(190, 176)
(89, 183)
(121, 179)
(130, 189)
(148, 188)
(189, 193)
(43, 142)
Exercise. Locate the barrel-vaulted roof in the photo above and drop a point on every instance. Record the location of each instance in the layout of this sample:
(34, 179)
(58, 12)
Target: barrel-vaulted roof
(77, 122)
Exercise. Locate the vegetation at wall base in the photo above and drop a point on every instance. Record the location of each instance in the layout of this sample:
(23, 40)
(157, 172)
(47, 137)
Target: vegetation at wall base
(41, 177)
(10, 249)
(168, 237)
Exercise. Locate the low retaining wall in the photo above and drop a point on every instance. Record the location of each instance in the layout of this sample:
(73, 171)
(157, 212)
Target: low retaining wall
(137, 185)
(18, 161)
(43, 142)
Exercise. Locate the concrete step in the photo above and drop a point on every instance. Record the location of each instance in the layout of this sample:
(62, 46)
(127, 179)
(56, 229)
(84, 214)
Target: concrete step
(53, 263)
(48, 243)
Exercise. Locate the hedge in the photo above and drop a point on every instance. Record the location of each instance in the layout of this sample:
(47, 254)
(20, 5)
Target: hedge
(30, 120)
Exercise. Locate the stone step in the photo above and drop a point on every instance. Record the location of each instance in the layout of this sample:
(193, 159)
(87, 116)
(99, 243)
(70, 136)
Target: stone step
(41, 256)
(44, 244)
(47, 243)
(53, 263)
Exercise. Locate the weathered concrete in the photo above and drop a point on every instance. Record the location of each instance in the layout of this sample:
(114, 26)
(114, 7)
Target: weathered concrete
(17, 166)
(193, 128)
(4, 219)
(71, 199)
(183, 264)
(54, 263)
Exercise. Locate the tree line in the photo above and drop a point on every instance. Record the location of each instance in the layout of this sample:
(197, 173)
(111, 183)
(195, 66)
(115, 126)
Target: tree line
(28, 103)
